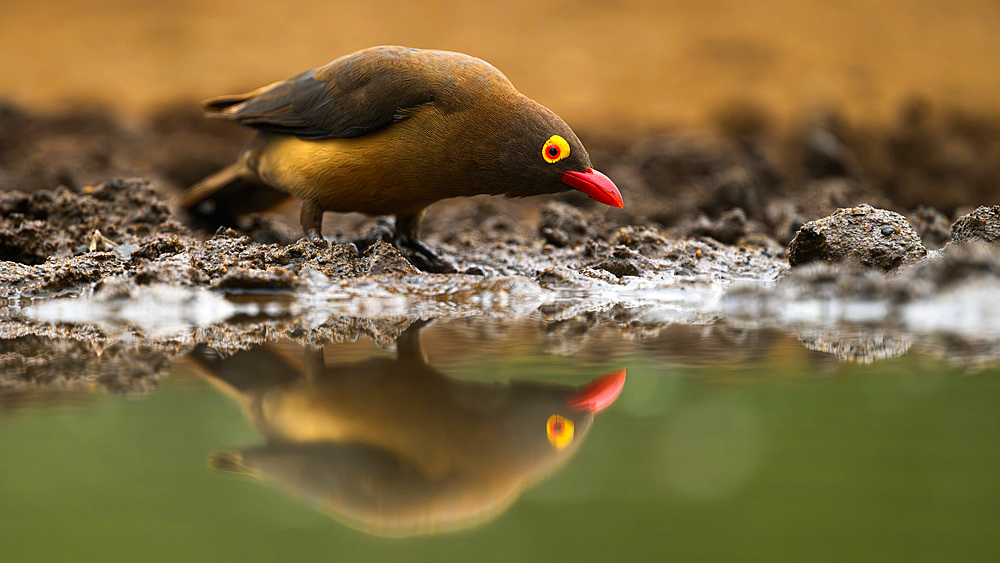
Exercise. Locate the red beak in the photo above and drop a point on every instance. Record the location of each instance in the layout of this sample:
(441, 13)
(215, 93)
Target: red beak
(598, 186)
(599, 393)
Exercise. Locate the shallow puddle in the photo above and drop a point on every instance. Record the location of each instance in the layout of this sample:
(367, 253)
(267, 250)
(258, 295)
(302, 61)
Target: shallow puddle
(473, 440)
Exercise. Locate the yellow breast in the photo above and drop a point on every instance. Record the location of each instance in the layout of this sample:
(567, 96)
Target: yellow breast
(395, 170)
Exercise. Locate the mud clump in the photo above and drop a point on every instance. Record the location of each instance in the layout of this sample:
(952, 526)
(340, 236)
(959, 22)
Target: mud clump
(982, 225)
(624, 262)
(933, 226)
(271, 279)
(872, 237)
(564, 225)
(25, 241)
(163, 245)
(133, 240)
(644, 240)
(957, 265)
(62, 222)
(382, 258)
(729, 228)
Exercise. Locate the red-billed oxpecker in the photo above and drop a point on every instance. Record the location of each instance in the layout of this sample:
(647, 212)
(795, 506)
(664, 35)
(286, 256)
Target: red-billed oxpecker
(391, 130)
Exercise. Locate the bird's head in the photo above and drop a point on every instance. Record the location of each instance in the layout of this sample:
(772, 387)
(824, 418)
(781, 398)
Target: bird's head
(583, 403)
(545, 422)
(541, 154)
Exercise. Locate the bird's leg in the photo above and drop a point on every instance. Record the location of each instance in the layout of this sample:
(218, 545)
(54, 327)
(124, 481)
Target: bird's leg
(311, 218)
(408, 346)
(407, 241)
(313, 362)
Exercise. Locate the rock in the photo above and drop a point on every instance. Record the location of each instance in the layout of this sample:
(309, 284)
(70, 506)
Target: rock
(982, 225)
(876, 238)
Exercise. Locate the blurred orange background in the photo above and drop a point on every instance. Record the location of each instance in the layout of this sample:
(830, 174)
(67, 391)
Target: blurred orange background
(626, 64)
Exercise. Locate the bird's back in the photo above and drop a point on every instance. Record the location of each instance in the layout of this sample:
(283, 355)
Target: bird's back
(364, 92)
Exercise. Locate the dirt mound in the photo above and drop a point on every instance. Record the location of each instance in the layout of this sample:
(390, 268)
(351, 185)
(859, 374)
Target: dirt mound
(875, 238)
(982, 225)
(62, 222)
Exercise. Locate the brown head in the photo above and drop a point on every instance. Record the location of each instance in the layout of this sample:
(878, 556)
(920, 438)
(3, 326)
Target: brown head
(532, 151)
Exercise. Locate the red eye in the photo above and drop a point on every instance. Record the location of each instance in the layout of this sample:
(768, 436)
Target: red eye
(553, 151)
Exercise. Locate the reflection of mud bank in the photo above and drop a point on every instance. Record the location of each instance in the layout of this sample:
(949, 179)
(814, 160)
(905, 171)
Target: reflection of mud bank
(945, 305)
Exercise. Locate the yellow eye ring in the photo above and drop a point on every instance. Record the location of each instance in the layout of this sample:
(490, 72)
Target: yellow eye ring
(555, 149)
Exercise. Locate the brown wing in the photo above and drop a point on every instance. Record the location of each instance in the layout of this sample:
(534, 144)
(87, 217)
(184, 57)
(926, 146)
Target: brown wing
(352, 96)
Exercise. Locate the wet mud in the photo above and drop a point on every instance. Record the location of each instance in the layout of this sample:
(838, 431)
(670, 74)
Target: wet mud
(740, 227)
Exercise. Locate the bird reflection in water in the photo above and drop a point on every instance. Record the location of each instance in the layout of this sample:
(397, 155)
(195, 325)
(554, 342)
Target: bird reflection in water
(394, 447)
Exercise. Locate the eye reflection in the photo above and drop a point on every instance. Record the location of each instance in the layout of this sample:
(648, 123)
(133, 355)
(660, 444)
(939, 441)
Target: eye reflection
(392, 446)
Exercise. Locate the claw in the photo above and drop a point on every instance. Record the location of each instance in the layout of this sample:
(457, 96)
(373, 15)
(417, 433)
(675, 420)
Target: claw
(315, 237)
(415, 251)
(421, 256)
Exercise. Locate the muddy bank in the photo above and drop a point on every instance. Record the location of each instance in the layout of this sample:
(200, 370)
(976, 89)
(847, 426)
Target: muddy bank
(702, 215)
(747, 178)
(748, 185)
(121, 233)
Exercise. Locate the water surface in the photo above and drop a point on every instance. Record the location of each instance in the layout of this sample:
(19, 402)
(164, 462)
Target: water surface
(723, 444)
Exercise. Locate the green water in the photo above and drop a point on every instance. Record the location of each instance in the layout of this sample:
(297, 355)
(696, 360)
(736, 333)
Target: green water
(757, 450)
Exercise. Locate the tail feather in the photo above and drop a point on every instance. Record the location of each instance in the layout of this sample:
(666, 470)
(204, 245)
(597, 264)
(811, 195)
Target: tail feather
(228, 105)
(212, 184)
(221, 105)
(230, 462)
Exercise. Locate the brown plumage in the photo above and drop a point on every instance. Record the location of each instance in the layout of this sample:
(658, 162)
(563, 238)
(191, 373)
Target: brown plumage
(391, 130)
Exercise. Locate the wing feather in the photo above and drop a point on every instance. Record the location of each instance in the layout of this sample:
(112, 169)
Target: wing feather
(352, 96)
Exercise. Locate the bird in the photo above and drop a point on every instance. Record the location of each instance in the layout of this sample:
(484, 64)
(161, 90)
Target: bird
(389, 130)
(394, 447)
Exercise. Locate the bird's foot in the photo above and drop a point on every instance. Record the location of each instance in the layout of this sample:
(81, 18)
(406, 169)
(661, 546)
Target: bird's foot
(315, 237)
(382, 230)
(421, 256)
(416, 252)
